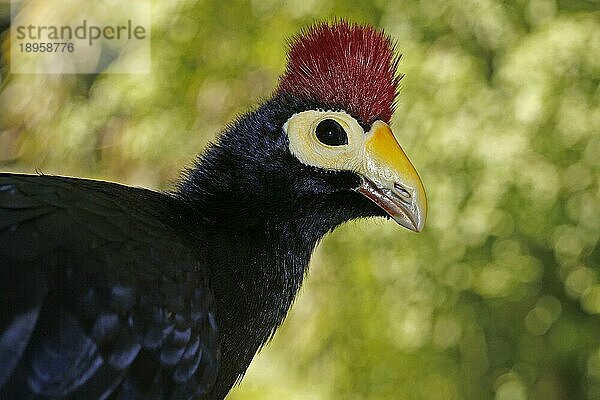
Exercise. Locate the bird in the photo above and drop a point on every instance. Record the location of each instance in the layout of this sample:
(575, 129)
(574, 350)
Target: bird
(110, 291)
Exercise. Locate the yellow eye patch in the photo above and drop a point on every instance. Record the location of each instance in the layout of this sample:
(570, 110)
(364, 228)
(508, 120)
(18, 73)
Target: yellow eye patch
(301, 129)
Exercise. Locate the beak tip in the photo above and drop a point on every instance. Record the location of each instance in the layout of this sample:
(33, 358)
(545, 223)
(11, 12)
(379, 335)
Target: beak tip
(419, 227)
(415, 226)
(412, 217)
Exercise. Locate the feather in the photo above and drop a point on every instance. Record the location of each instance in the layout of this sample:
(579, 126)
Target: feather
(65, 359)
(79, 304)
(14, 340)
(345, 65)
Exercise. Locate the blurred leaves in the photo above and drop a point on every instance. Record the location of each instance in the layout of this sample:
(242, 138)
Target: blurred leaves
(499, 298)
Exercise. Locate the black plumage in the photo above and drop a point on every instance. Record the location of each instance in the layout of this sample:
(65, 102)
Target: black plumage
(123, 278)
(98, 291)
(109, 291)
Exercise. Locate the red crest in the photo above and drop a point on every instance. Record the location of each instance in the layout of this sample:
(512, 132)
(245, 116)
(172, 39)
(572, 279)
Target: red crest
(345, 65)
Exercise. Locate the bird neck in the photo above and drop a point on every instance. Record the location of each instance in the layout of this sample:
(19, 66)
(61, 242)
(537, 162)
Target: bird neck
(265, 269)
(257, 254)
(261, 247)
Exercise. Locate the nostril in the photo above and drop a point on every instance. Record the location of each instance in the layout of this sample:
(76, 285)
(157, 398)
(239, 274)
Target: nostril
(401, 191)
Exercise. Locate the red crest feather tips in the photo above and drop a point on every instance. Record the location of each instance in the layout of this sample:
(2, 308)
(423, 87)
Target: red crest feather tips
(344, 65)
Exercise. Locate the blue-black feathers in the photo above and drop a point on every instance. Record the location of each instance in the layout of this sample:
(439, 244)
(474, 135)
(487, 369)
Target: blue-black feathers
(109, 291)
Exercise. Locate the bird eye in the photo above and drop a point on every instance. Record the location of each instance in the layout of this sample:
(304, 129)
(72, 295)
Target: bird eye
(331, 133)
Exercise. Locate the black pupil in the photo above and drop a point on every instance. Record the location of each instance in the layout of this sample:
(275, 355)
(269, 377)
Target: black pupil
(331, 133)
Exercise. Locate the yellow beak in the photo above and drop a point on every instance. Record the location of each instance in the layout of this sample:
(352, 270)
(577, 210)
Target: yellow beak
(390, 180)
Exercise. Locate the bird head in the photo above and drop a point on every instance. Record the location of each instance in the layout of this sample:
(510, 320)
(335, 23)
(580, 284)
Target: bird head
(322, 144)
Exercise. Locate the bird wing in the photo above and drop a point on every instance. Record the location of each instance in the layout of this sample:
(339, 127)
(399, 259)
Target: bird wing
(99, 295)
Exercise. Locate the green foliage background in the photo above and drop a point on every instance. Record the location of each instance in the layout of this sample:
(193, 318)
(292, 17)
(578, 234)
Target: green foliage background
(499, 297)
